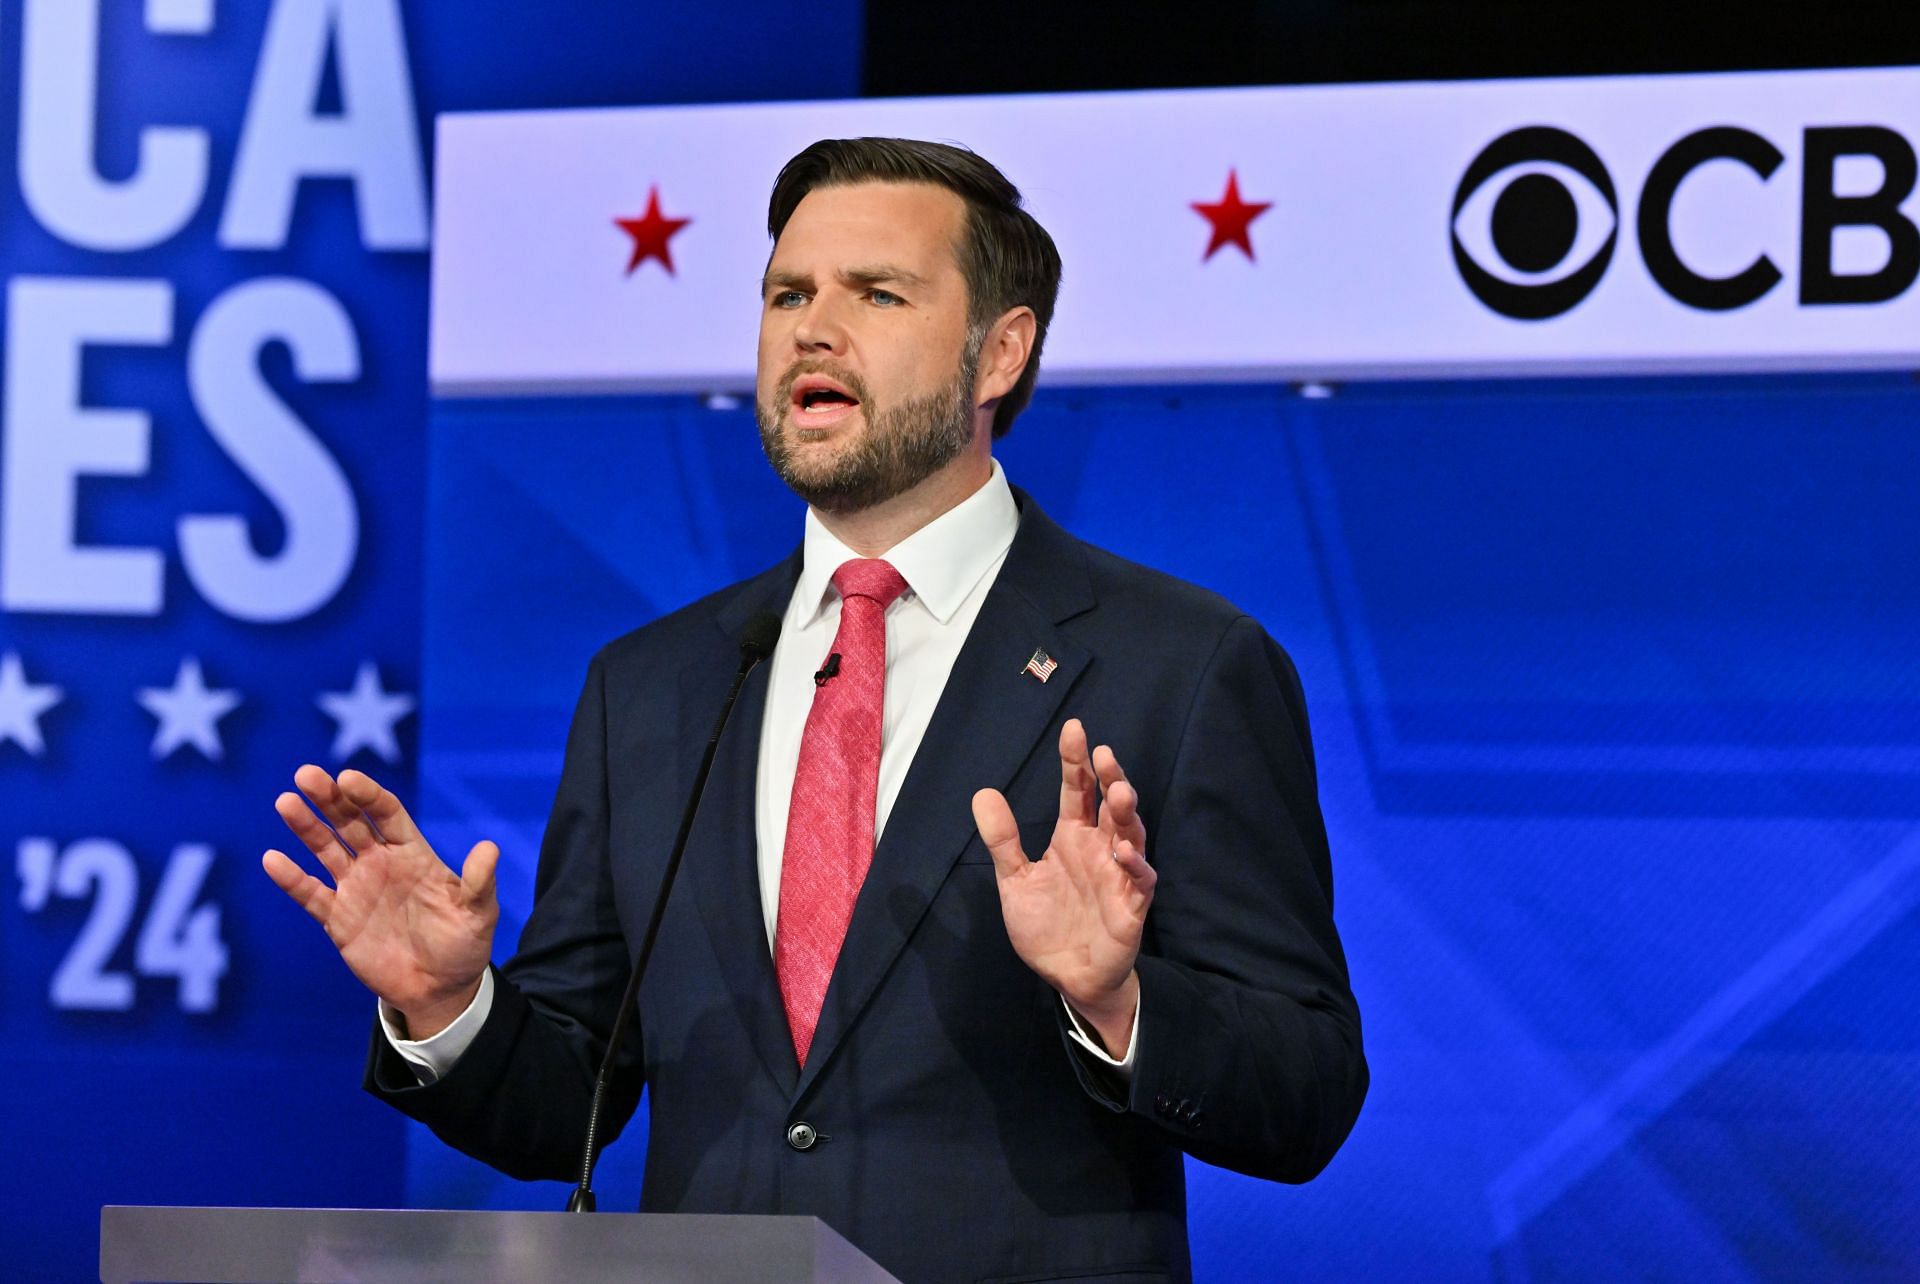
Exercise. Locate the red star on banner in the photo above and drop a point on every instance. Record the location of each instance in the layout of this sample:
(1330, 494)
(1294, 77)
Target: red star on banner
(1231, 217)
(650, 233)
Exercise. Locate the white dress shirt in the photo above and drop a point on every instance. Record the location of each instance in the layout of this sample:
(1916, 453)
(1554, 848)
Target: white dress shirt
(949, 565)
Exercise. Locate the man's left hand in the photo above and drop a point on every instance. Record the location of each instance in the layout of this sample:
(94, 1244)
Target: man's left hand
(1075, 915)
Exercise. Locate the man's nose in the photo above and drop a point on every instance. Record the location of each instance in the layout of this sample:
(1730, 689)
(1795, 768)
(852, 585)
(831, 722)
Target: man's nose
(822, 328)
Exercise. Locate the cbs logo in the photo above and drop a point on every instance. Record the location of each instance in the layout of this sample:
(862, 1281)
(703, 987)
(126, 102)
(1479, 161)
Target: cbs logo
(1536, 219)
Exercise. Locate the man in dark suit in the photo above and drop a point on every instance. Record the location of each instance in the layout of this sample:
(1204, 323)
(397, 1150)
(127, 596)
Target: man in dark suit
(922, 980)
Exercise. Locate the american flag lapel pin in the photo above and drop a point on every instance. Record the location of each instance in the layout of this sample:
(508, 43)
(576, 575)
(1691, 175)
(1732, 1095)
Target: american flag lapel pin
(1040, 664)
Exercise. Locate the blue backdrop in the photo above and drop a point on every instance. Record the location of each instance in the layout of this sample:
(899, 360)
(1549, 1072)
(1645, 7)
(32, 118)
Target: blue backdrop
(1619, 753)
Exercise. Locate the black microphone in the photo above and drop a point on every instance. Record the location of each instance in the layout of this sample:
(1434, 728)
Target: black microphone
(828, 671)
(756, 644)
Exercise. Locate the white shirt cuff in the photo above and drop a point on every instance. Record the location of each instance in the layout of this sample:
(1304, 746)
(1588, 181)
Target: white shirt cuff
(1080, 1035)
(432, 1058)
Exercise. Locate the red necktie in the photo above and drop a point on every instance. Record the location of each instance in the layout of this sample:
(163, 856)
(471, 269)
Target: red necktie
(835, 791)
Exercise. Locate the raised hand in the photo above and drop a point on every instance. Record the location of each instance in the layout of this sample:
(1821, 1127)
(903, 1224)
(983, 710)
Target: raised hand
(1075, 915)
(414, 934)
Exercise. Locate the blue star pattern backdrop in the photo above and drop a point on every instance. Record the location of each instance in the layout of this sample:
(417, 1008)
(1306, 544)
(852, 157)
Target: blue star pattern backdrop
(216, 273)
(212, 478)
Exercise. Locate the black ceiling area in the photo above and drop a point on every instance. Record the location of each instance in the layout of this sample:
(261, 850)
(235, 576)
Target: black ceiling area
(1023, 46)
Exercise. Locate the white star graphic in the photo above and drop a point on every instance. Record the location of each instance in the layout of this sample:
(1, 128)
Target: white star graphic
(366, 715)
(21, 704)
(188, 712)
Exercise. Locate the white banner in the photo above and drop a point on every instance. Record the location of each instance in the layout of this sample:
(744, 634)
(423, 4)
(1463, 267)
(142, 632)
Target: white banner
(1677, 223)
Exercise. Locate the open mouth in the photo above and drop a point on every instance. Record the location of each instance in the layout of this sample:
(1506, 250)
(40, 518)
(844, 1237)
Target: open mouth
(818, 399)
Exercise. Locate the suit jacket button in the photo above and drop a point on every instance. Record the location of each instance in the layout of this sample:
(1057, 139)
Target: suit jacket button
(802, 1136)
(1187, 1113)
(1161, 1104)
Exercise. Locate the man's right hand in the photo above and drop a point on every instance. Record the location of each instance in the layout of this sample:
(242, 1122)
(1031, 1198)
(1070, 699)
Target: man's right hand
(413, 933)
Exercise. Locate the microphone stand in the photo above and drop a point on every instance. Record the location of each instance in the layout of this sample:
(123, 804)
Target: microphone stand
(755, 646)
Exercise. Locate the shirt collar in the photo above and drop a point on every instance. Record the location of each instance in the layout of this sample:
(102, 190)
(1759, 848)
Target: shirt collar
(941, 562)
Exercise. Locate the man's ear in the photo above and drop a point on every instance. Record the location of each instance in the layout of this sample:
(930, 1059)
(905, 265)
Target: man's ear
(1004, 354)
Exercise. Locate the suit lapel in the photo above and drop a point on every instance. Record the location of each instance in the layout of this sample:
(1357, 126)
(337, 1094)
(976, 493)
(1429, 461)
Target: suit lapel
(721, 849)
(990, 719)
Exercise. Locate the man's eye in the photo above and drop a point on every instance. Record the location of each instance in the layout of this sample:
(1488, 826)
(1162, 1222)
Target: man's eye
(885, 298)
(789, 299)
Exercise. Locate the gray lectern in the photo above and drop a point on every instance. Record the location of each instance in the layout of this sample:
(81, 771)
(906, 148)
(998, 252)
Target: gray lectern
(336, 1245)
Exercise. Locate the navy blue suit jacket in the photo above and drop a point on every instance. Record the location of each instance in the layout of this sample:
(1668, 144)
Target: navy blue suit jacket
(962, 1136)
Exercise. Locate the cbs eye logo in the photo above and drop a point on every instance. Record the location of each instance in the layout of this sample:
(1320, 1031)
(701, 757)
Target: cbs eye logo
(1535, 219)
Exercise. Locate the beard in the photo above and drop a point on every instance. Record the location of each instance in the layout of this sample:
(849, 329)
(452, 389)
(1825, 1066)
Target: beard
(902, 446)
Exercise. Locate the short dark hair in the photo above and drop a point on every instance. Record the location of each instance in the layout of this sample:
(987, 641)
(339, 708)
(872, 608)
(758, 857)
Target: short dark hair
(1006, 257)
